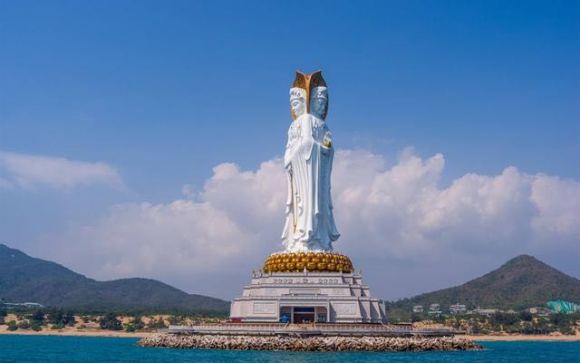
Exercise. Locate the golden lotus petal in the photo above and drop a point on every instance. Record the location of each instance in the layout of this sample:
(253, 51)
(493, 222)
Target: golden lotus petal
(312, 261)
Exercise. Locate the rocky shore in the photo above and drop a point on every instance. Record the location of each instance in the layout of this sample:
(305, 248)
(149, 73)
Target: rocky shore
(309, 344)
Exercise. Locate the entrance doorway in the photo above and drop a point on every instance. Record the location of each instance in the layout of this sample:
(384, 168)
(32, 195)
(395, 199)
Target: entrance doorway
(303, 315)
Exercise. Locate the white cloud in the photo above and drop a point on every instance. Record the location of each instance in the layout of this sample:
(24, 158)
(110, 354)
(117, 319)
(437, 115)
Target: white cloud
(26, 171)
(557, 205)
(397, 222)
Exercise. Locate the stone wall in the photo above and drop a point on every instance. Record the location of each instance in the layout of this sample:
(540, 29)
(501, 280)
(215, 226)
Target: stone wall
(318, 343)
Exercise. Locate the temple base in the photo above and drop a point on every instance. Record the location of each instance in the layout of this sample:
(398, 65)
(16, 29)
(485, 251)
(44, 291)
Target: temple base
(300, 297)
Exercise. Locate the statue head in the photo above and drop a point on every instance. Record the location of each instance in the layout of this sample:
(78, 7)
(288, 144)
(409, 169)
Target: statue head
(319, 102)
(311, 88)
(297, 102)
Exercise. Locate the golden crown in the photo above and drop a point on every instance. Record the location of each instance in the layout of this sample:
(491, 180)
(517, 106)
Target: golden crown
(308, 82)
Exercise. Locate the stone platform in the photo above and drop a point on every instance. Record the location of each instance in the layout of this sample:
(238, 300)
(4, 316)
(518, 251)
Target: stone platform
(307, 296)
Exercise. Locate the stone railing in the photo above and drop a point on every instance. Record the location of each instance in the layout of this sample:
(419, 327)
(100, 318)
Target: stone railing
(308, 329)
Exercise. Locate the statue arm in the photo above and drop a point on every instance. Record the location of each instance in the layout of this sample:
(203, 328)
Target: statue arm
(290, 149)
(308, 139)
(289, 224)
(287, 158)
(289, 195)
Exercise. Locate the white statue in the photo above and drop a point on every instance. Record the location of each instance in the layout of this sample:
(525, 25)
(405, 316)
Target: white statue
(308, 158)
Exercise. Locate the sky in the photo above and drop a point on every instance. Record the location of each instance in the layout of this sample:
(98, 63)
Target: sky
(143, 138)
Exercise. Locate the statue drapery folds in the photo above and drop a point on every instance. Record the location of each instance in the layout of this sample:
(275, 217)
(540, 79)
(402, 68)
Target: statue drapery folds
(309, 224)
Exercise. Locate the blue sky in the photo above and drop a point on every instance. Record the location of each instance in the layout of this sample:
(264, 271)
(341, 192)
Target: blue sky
(163, 92)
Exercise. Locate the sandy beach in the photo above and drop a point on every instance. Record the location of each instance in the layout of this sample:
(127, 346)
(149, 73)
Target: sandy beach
(72, 331)
(77, 332)
(92, 329)
(80, 328)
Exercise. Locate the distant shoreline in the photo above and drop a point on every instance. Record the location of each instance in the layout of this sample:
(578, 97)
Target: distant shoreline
(79, 333)
(122, 334)
(524, 338)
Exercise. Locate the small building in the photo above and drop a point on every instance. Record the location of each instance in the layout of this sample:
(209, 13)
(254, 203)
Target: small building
(418, 309)
(434, 309)
(539, 310)
(486, 312)
(25, 305)
(564, 307)
(457, 309)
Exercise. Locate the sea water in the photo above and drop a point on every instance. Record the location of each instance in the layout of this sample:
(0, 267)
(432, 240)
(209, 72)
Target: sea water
(22, 349)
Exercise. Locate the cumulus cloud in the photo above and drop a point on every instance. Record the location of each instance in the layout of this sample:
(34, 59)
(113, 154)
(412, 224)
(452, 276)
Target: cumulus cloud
(26, 171)
(397, 221)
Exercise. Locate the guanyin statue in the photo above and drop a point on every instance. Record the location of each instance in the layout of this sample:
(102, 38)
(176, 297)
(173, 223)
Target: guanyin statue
(308, 158)
(308, 281)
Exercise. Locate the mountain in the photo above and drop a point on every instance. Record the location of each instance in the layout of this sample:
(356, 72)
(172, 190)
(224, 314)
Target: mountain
(522, 282)
(27, 279)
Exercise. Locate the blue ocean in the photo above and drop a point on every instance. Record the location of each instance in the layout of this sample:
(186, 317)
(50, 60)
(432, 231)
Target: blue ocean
(22, 349)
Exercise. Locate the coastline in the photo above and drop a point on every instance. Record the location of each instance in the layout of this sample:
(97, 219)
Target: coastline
(523, 338)
(122, 334)
(79, 333)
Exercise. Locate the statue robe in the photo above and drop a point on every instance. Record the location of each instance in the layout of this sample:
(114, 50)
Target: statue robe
(309, 222)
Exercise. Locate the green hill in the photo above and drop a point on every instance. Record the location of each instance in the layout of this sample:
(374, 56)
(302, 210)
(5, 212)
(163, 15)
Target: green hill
(27, 279)
(522, 282)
